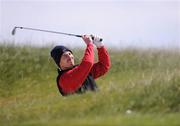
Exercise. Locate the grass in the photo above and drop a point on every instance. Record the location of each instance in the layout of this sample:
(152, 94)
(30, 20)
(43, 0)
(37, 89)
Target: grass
(141, 88)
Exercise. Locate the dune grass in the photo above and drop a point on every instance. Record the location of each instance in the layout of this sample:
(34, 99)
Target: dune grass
(141, 88)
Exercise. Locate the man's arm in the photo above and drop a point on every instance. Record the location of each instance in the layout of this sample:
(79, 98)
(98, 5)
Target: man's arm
(103, 65)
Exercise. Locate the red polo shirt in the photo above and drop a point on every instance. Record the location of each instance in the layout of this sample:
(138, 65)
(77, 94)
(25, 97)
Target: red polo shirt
(72, 80)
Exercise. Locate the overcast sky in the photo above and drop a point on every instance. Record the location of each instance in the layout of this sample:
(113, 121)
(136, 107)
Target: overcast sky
(123, 23)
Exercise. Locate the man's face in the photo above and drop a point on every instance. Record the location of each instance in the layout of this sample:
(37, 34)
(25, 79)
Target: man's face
(67, 60)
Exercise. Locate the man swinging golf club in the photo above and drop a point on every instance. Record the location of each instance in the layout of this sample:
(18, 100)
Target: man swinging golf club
(80, 78)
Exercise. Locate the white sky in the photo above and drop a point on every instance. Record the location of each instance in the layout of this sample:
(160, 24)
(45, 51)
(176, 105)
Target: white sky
(140, 23)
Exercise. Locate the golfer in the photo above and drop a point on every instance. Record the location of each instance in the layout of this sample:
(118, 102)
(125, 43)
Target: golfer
(80, 78)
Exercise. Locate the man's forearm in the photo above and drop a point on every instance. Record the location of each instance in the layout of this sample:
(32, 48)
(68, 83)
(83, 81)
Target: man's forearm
(103, 65)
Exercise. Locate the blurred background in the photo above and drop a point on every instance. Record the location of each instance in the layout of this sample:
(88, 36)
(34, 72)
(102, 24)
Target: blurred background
(122, 23)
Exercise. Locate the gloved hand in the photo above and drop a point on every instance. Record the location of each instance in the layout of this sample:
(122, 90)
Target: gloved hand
(97, 42)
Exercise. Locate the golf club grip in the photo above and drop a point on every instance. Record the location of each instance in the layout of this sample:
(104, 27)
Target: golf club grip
(91, 37)
(79, 36)
(99, 39)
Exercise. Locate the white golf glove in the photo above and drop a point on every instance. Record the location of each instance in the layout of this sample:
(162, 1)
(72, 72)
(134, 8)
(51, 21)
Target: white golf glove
(97, 42)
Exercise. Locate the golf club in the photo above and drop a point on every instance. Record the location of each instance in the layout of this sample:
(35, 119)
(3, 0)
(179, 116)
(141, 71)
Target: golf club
(34, 29)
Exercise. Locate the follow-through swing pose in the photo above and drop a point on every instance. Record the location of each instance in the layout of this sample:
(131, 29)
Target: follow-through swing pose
(80, 78)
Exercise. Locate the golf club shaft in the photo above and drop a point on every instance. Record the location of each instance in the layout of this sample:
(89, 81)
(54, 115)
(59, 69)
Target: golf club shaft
(63, 33)
(34, 29)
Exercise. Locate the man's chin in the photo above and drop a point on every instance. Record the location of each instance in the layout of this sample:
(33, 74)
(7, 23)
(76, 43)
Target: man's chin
(71, 63)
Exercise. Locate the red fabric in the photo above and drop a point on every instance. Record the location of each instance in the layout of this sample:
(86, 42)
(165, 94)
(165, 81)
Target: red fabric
(71, 80)
(103, 65)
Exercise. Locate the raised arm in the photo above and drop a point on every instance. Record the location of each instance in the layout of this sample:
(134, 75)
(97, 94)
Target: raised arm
(103, 65)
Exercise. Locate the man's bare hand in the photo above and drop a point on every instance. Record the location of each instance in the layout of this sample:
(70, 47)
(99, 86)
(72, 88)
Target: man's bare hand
(87, 39)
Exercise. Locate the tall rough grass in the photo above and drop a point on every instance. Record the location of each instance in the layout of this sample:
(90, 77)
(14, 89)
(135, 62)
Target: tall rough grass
(141, 86)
